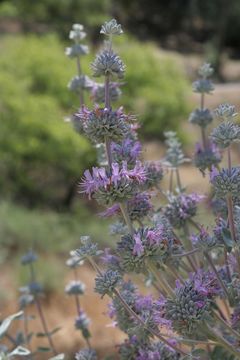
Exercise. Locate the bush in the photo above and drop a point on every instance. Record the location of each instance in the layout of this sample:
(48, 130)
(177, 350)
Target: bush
(40, 155)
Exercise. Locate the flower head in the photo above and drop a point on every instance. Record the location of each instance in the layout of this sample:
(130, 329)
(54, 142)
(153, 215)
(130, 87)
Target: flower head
(181, 208)
(111, 28)
(225, 134)
(191, 303)
(77, 33)
(201, 117)
(226, 181)
(106, 283)
(116, 186)
(76, 50)
(206, 158)
(75, 287)
(203, 86)
(102, 123)
(108, 63)
(225, 112)
(206, 70)
(98, 92)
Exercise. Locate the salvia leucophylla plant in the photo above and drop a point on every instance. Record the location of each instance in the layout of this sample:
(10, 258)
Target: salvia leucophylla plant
(192, 270)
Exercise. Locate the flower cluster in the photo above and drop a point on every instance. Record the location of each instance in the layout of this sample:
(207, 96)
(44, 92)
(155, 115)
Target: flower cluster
(191, 304)
(112, 187)
(181, 208)
(100, 124)
(174, 156)
(108, 63)
(226, 181)
(206, 158)
(155, 244)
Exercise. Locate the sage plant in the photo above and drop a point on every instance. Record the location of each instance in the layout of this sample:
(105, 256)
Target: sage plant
(192, 270)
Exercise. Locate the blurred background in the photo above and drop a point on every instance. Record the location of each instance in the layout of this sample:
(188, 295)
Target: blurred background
(42, 158)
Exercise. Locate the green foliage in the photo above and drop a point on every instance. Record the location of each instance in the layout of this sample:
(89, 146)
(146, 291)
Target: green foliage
(58, 15)
(56, 233)
(155, 87)
(40, 154)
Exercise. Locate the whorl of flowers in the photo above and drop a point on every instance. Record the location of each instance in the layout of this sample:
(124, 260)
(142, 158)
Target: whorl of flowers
(106, 282)
(138, 207)
(225, 112)
(102, 123)
(206, 70)
(82, 323)
(87, 249)
(128, 150)
(191, 304)
(29, 258)
(201, 117)
(77, 83)
(108, 63)
(226, 181)
(75, 287)
(118, 185)
(206, 158)
(98, 92)
(77, 33)
(111, 27)
(154, 174)
(133, 349)
(146, 244)
(181, 208)
(174, 155)
(204, 240)
(225, 134)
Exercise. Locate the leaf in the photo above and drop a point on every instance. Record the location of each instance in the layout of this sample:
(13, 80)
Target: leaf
(20, 351)
(7, 322)
(58, 357)
(43, 349)
(42, 334)
(55, 330)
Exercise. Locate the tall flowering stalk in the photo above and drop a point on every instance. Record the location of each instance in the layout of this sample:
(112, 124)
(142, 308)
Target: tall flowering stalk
(193, 312)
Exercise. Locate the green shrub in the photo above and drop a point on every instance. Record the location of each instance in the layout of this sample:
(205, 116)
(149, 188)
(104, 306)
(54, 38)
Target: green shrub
(40, 155)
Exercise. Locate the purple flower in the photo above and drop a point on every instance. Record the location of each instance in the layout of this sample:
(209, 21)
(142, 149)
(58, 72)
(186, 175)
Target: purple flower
(116, 186)
(138, 248)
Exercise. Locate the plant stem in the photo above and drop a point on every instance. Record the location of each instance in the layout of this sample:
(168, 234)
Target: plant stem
(152, 331)
(178, 180)
(81, 95)
(203, 133)
(171, 181)
(226, 325)
(163, 284)
(127, 218)
(41, 315)
(223, 342)
(44, 324)
(221, 283)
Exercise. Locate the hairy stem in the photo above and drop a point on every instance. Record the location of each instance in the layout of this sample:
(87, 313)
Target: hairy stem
(221, 283)
(81, 94)
(126, 217)
(41, 314)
